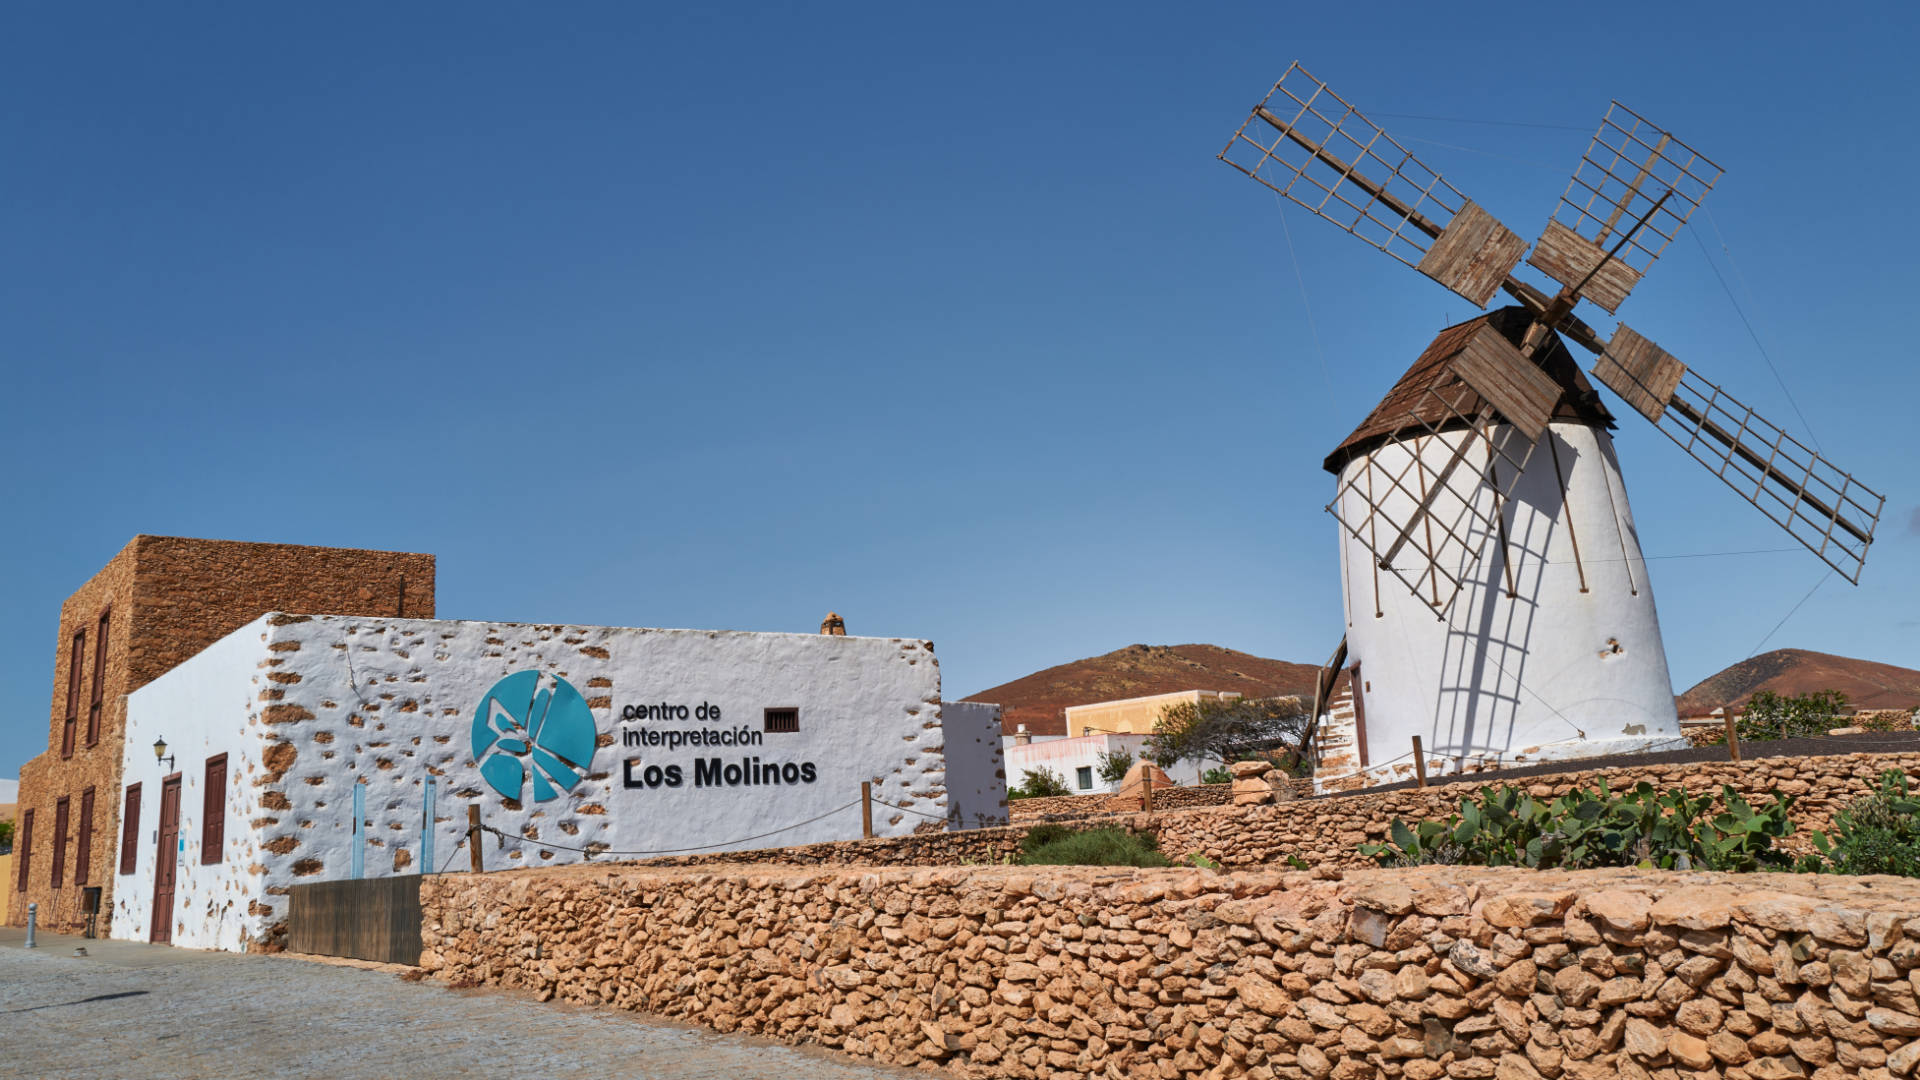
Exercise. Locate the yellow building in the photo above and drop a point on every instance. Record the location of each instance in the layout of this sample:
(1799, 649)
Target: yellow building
(1134, 716)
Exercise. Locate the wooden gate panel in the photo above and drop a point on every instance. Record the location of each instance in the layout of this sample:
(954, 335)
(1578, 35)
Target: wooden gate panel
(369, 919)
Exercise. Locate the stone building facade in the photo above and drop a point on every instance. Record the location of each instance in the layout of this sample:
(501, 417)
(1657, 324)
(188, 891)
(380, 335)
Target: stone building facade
(324, 748)
(158, 602)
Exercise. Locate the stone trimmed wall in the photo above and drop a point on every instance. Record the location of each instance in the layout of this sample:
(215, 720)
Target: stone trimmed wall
(170, 597)
(1078, 972)
(333, 721)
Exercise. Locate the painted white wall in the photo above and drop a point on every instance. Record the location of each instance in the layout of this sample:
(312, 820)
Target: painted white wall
(976, 767)
(1531, 677)
(1008, 742)
(202, 708)
(391, 702)
(1067, 756)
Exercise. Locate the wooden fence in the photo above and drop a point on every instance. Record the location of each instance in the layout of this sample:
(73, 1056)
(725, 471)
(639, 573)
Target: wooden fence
(368, 919)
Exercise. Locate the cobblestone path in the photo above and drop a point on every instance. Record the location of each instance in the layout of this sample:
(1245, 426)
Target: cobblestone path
(155, 1013)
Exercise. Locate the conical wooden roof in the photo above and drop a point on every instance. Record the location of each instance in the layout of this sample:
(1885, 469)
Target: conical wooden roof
(1390, 419)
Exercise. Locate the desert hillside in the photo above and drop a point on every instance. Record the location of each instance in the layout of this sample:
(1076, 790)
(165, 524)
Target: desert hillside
(1868, 685)
(1039, 700)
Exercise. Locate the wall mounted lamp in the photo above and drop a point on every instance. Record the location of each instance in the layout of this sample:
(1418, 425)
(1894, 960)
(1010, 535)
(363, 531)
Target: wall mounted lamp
(160, 752)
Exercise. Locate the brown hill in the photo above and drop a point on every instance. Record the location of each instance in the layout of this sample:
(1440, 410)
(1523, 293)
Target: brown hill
(1868, 685)
(1040, 700)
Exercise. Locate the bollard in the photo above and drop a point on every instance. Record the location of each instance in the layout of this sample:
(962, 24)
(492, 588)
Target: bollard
(33, 918)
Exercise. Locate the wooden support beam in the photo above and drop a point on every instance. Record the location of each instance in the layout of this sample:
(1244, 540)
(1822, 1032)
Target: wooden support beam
(1420, 221)
(1420, 512)
(473, 837)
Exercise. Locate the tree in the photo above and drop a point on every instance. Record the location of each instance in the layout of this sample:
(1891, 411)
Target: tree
(1212, 729)
(6, 837)
(1112, 765)
(1040, 783)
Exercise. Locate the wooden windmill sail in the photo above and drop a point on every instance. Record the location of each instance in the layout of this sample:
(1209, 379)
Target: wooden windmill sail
(1633, 190)
(1428, 481)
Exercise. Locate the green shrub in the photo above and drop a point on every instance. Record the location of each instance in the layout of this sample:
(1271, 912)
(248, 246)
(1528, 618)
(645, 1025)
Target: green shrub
(1219, 775)
(1056, 845)
(1642, 827)
(1770, 716)
(1041, 835)
(1040, 783)
(1875, 834)
(1112, 765)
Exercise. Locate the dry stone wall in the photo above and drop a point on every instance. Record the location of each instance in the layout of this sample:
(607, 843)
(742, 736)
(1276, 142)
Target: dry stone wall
(1076, 972)
(1164, 798)
(1326, 832)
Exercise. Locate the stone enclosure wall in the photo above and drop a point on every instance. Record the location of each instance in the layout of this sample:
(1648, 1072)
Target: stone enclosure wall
(1164, 798)
(1079, 972)
(1326, 832)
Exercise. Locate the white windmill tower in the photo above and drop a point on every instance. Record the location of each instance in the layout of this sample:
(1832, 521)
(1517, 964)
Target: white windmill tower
(1498, 607)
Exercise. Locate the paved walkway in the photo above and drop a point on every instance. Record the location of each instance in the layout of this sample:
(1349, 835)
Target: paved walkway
(156, 1013)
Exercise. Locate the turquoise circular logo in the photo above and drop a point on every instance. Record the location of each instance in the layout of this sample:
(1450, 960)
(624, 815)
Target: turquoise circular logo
(533, 725)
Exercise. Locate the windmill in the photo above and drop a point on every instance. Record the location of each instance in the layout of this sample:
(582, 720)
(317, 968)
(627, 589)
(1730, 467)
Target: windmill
(1497, 602)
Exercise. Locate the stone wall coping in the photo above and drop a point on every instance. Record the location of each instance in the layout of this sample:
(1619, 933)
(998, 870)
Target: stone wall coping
(1505, 896)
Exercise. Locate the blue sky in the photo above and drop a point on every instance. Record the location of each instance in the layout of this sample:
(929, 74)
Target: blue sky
(945, 319)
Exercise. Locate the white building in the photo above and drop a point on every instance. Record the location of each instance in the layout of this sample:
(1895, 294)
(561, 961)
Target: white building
(976, 765)
(310, 748)
(1552, 648)
(1077, 758)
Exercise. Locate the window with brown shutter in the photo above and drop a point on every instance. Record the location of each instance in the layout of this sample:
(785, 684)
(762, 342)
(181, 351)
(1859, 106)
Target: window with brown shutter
(75, 658)
(23, 847)
(130, 830)
(60, 842)
(99, 679)
(83, 851)
(213, 812)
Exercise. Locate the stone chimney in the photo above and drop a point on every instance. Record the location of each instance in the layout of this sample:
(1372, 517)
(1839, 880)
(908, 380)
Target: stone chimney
(834, 625)
(1020, 736)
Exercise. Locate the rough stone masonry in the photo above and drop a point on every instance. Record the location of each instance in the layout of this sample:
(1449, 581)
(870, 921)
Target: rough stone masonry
(1468, 973)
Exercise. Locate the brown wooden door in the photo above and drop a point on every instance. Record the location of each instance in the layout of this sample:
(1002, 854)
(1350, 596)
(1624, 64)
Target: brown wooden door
(165, 859)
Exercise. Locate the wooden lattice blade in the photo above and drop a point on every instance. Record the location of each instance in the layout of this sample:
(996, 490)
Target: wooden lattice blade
(1305, 142)
(1513, 385)
(1826, 510)
(1612, 223)
(1425, 505)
